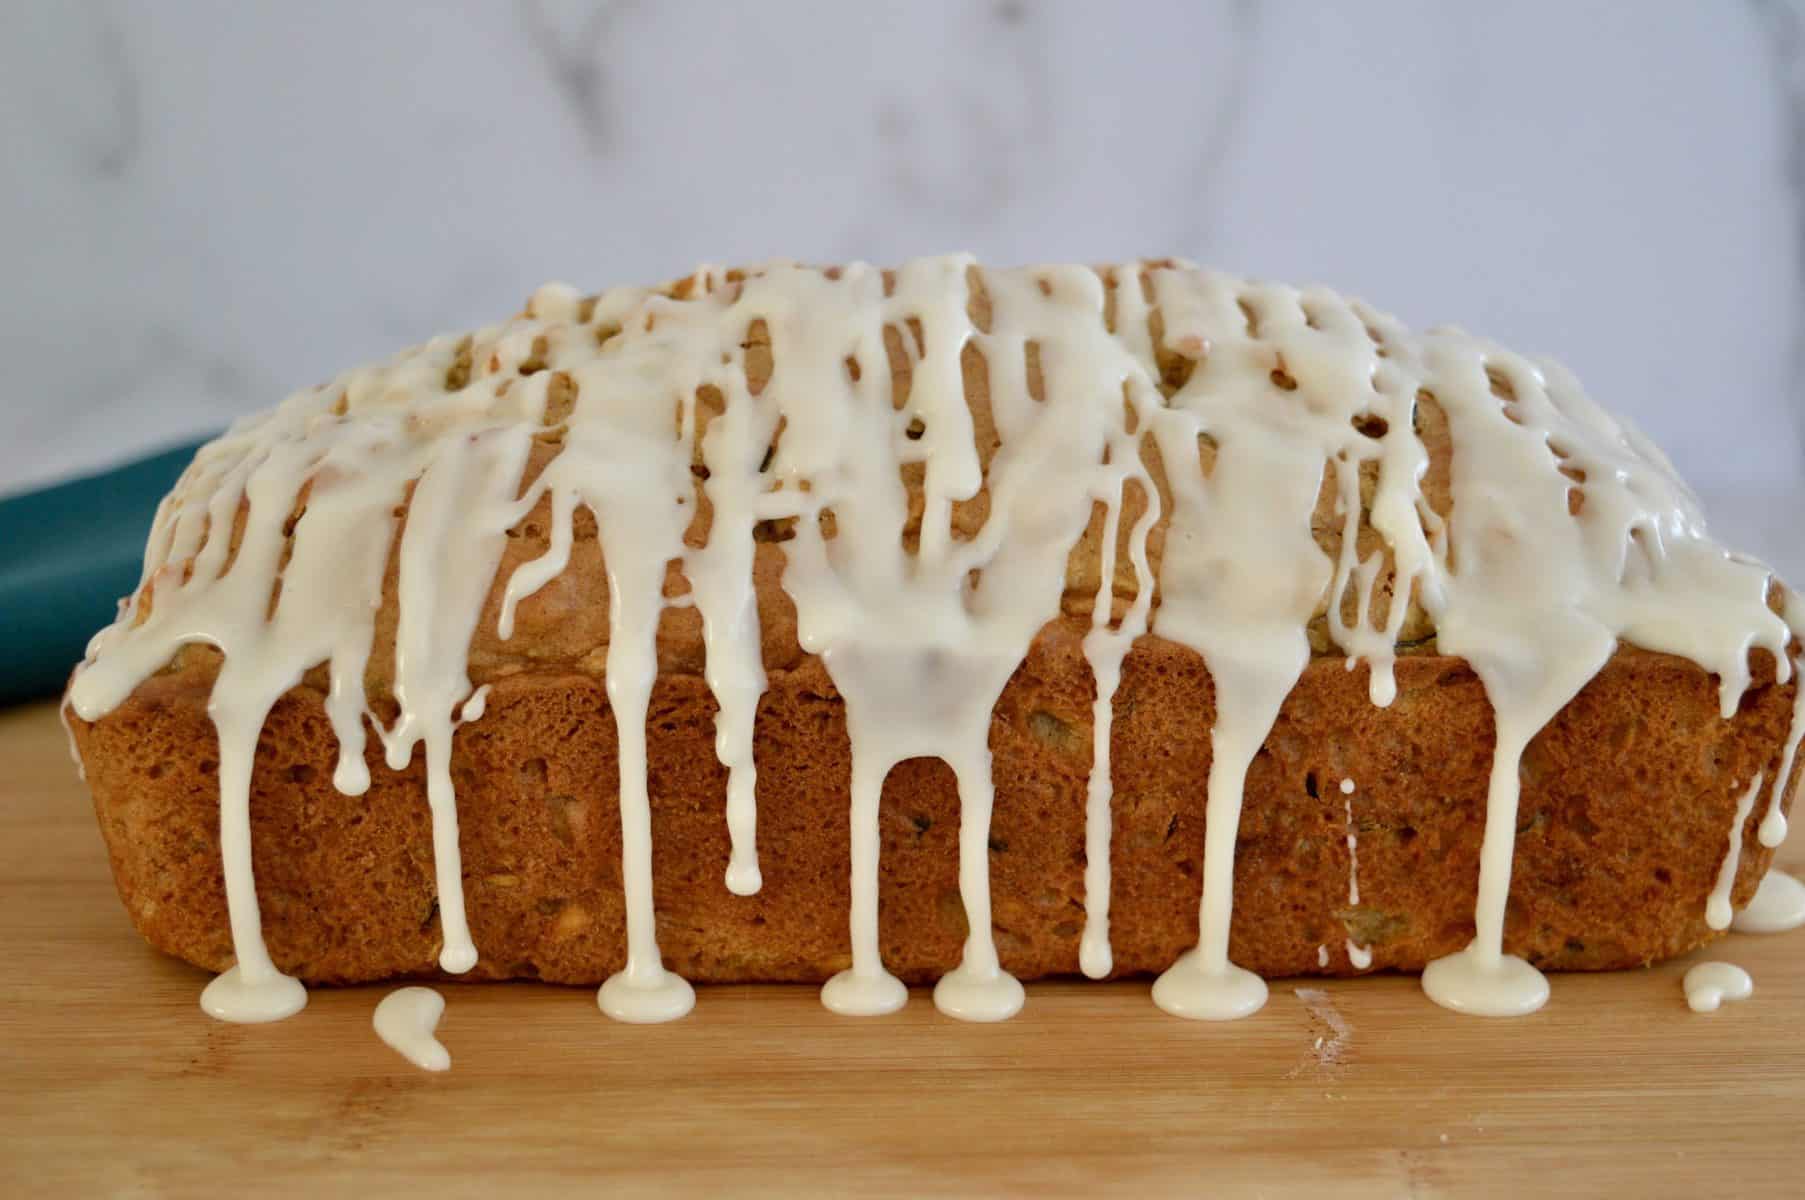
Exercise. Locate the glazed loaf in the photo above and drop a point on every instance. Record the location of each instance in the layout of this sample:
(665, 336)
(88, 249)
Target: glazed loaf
(658, 577)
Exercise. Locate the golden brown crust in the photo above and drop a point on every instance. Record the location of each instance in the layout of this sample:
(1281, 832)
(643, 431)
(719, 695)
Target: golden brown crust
(1628, 795)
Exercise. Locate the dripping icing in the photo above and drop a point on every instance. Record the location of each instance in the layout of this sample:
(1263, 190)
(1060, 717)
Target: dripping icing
(406, 1020)
(1105, 647)
(1717, 905)
(1286, 386)
(1360, 956)
(1777, 906)
(1709, 984)
(1773, 825)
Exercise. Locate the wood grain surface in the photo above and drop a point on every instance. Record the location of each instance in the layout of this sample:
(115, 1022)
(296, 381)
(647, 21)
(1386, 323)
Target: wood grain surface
(113, 1082)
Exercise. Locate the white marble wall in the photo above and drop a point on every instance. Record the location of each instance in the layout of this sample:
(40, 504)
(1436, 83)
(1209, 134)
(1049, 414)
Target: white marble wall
(208, 203)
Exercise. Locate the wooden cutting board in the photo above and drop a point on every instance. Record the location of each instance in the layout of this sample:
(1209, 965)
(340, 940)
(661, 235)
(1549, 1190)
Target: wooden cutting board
(113, 1082)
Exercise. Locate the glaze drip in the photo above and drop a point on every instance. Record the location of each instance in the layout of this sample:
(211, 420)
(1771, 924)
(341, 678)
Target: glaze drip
(406, 1020)
(1360, 956)
(1778, 905)
(1709, 984)
(1717, 906)
(927, 538)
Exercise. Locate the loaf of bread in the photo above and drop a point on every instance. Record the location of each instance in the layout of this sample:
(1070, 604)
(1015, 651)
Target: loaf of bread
(939, 624)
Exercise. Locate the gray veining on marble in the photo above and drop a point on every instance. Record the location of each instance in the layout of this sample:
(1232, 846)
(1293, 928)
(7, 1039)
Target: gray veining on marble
(115, 153)
(572, 39)
(1213, 140)
(1783, 22)
(209, 203)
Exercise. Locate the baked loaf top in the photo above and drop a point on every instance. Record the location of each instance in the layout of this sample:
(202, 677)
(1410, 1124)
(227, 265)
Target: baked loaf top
(909, 473)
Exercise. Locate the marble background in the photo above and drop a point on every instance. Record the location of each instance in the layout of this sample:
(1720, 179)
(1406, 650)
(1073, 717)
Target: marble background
(206, 204)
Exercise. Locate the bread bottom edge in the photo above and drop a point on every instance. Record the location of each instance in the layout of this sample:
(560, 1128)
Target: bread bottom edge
(1628, 799)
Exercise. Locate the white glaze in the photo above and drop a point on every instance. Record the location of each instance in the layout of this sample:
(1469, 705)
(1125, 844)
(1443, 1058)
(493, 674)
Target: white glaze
(62, 716)
(243, 998)
(1717, 905)
(1709, 984)
(1777, 906)
(1360, 956)
(1105, 647)
(406, 1020)
(1773, 825)
(1288, 384)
